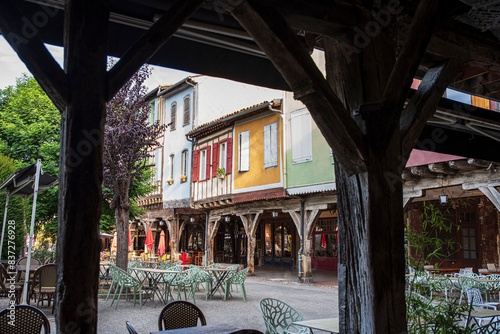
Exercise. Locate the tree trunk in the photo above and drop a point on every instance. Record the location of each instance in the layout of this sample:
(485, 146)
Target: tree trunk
(371, 247)
(122, 208)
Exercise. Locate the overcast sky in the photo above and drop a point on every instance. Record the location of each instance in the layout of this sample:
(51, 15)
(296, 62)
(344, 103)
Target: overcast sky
(11, 67)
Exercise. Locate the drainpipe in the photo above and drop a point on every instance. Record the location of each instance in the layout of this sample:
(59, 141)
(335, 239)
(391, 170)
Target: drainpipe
(301, 250)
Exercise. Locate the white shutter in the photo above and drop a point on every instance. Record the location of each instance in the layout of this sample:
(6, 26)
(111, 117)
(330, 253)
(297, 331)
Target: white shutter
(271, 145)
(244, 158)
(300, 124)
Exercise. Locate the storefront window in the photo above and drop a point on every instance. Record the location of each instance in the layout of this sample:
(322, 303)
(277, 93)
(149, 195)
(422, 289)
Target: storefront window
(268, 237)
(325, 238)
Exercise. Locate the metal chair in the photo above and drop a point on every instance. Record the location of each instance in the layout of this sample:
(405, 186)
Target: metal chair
(180, 314)
(130, 328)
(29, 320)
(43, 285)
(474, 296)
(125, 280)
(246, 331)
(236, 279)
(278, 317)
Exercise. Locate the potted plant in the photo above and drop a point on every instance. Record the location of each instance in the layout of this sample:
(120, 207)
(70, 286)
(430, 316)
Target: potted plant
(170, 181)
(183, 178)
(221, 173)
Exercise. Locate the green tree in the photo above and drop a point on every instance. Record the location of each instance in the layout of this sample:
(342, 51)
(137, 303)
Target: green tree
(29, 130)
(15, 213)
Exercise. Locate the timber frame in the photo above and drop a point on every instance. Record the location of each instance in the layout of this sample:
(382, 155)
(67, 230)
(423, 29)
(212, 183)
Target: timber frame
(359, 107)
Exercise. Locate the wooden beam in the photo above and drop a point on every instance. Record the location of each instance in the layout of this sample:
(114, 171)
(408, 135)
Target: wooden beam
(420, 31)
(31, 50)
(80, 172)
(423, 104)
(493, 195)
(270, 31)
(159, 33)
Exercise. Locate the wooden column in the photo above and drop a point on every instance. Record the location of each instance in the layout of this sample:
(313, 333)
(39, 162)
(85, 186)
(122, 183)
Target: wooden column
(213, 226)
(80, 173)
(250, 223)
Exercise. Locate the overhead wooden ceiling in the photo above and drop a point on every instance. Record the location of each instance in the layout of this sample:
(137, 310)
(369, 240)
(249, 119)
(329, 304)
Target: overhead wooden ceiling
(212, 42)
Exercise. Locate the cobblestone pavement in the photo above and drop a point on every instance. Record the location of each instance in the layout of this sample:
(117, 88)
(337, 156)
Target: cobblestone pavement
(312, 301)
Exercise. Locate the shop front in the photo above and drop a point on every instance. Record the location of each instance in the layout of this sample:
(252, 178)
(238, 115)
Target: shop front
(325, 244)
(279, 244)
(193, 241)
(231, 242)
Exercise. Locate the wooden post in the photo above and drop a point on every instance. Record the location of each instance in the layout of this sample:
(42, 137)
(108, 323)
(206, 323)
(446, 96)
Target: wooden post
(250, 223)
(80, 173)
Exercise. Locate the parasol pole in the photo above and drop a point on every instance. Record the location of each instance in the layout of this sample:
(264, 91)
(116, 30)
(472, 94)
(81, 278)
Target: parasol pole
(32, 228)
(3, 226)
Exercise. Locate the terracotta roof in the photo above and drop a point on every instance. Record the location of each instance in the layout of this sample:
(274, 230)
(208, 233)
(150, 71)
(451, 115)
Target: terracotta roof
(229, 118)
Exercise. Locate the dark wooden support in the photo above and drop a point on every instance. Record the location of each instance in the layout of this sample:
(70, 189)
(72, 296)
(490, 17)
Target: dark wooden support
(31, 50)
(80, 173)
(420, 32)
(159, 33)
(423, 103)
(271, 33)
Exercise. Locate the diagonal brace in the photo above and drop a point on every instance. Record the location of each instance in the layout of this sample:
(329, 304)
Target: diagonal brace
(270, 31)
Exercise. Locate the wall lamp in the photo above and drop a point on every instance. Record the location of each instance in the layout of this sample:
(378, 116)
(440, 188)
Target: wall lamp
(275, 214)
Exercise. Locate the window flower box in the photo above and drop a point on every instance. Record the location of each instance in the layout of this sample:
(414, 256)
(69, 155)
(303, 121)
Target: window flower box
(183, 178)
(170, 181)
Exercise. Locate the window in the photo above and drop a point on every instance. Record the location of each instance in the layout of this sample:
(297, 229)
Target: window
(187, 109)
(271, 145)
(244, 151)
(158, 165)
(223, 155)
(173, 112)
(184, 162)
(300, 123)
(171, 166)
(204, 166)
(153, 117)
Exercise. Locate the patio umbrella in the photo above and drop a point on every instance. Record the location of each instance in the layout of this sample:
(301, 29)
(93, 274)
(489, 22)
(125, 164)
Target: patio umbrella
(161, 245)
(129, 238)
(149, 240)
(113, 244)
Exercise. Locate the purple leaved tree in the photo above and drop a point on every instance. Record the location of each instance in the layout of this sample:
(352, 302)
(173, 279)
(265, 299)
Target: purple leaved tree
(128, 139)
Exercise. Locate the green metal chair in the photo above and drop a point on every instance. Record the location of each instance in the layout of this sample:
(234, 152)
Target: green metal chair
(236, 279)
(187, 284)
(114, 281)
(125, 280)
(278, 317)
(204, 277)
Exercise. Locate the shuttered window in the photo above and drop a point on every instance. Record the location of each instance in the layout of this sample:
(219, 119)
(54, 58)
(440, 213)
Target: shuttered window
(196, 165)
(300, 124)
(203, 164)
(184, 162)
(158, 165)
(244, 151)
(171, 166)
(229, 161)
(187, 109)
(271, 145)
(173, 116)
(223, 155)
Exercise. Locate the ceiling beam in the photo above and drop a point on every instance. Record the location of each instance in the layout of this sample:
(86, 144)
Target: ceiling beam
(152, 41)
(31, 50)
(423, 103)
(420, 31)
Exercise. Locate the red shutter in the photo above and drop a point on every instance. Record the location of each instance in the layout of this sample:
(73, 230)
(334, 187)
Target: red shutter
(215, 160)
(208, 162)
(196, 165)
(229, 163)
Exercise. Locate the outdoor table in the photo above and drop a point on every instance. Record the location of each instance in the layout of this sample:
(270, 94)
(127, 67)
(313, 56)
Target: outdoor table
(154, 275)
(219, 275)
(209, 329)
(478, 312)
(327, 324)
